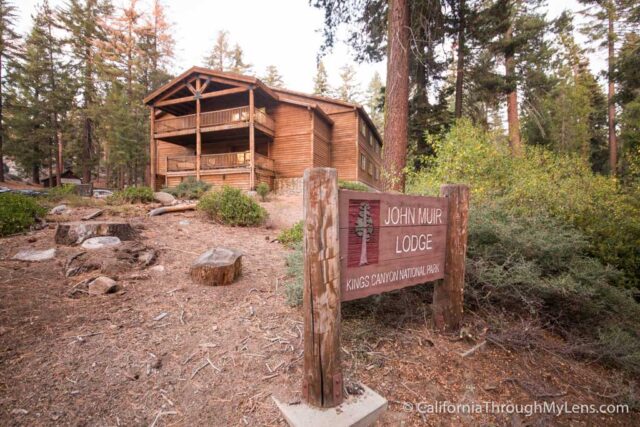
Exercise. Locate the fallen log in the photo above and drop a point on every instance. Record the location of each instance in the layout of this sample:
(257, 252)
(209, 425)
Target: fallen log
(167, 209)
(74, 233)
(93, 215)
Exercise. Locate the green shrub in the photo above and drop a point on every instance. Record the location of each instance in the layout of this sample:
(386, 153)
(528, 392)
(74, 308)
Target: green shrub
(263, 189)
(232, 207)
(293, 235)
(18, 212)
(189, 189)
(352, 185)
(131, 195)
(293, 288)
(538, 268)
(58, 193)
(540, 182)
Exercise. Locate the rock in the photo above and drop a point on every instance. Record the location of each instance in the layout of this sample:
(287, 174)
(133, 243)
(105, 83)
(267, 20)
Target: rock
(217, 266)
(58, 210)
(184, 222)
(74, 233)
(35, 255)
(101, 242)
(157, 269)
(102, 285)
(253, 194)
(165, 198)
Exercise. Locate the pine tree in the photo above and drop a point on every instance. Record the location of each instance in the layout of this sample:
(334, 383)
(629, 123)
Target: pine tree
(364, 229)
(349, 90)
(238, 65)
(84, 23)
(156, 44)
(375, 100)
(628, 78)
(321, 81)
(27, 116)
(272, 77)
(220, 56)
(9, 46)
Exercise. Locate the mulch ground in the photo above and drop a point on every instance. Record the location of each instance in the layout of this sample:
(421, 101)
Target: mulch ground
(163, 351)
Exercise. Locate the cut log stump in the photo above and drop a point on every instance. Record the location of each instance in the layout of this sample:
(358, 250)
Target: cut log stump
(217, 267)
(74, 233)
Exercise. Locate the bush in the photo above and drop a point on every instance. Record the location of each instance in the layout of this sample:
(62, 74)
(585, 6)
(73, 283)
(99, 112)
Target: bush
(131, 195)
(232, 207)
(18, 212)
(293, 288)
(263, 189)
(292, 236)
(352, 185)
(539, 268)
(60, 192)
(189, 189)
(540, 183)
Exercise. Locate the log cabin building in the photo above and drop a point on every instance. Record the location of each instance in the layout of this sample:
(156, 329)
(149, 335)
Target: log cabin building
(229, 129)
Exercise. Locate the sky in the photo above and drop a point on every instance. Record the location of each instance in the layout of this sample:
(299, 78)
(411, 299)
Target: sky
(285, 33)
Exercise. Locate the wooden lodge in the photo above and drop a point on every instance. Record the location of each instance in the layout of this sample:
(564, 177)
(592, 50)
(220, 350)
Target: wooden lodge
(225, 128)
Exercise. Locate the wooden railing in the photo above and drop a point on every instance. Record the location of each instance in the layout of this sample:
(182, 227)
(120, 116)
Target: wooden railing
(240, 159)
(213, 118)
(264, 162)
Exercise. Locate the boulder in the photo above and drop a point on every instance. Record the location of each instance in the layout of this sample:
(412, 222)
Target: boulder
(102, 285)
(217, 267)
(165, 198)
(157, 269)
(35, 255)
(101, 242)
(58, 210)
(74, 233)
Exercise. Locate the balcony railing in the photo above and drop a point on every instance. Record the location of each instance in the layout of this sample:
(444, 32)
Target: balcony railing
(213, 118)
(240, 159)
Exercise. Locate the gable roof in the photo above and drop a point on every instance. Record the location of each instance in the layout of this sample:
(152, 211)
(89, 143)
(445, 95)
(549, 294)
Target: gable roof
(230, 77)
(279, 94)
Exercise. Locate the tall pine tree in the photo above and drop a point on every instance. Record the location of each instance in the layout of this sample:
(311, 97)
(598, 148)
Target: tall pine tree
(9, 46)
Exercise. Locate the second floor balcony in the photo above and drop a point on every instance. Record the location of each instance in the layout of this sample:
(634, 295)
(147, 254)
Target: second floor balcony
(211, 121)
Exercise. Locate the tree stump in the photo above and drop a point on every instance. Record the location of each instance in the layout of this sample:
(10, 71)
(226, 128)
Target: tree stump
(217, 267)
(74, 233)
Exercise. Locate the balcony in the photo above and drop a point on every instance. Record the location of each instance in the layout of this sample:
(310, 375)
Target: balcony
(214, 120)
(218, 163)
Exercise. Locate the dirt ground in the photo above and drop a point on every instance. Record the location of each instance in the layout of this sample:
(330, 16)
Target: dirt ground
(163, 351)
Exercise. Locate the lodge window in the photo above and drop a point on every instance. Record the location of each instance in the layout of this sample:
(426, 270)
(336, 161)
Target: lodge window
(376, 173)
(363, 162)
(377, 148)
(370, 168)
(363, 128)
(371, 139)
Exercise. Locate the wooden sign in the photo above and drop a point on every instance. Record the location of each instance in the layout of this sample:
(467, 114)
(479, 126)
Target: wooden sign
(358, 244)
(390, 241)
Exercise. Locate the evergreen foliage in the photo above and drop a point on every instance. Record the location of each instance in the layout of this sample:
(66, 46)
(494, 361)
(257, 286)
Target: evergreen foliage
(231, 206)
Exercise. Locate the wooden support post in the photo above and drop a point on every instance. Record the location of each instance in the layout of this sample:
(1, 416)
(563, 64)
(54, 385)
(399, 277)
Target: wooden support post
(153, 158)
(448, 293)
(198, 135)
(252, 141)
(322, 381)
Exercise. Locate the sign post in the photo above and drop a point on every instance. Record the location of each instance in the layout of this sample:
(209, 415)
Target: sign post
(322, 382)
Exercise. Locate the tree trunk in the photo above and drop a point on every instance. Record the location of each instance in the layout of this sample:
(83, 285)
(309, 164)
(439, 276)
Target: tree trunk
(51, 181)
(397, 96)
(515, 143)
(613, 143)
(35, 173)
(460, 65)
(1, 127)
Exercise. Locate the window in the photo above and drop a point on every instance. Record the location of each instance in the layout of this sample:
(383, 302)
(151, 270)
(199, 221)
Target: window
(363, 162)
(370, 169)
(376, 173)
(363, 128)
(371, 139)
(377, 148)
